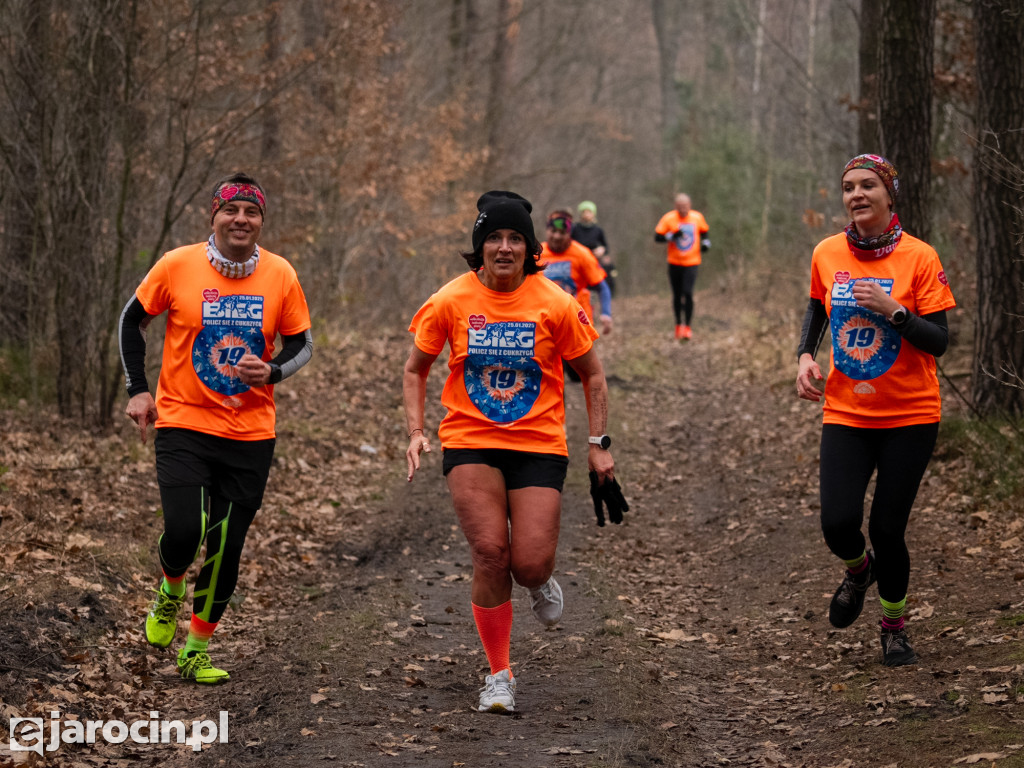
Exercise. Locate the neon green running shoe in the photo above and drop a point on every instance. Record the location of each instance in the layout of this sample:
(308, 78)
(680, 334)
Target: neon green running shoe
(162, 619)
(196, 666)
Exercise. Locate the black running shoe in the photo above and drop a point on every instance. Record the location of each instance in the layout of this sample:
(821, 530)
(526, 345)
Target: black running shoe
(896, 650)
(848, 601)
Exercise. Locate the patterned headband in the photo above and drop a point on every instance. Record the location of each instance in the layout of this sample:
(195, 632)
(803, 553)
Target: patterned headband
(885, 170)
(247, 193)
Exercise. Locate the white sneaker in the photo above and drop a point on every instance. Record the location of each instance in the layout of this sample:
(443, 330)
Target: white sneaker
(546, 602)
(498, 694)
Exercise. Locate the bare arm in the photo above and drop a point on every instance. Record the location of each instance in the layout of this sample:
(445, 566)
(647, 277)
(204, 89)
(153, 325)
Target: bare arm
(414, 395)
(595, 389)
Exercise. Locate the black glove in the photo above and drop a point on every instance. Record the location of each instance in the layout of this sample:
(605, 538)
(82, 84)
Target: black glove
(610, 493)
(705, 244)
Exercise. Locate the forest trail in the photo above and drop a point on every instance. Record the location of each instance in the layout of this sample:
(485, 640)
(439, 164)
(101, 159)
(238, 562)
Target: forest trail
(695, 634)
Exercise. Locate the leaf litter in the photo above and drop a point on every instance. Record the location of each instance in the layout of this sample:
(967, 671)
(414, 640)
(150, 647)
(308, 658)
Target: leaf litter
(695, 633)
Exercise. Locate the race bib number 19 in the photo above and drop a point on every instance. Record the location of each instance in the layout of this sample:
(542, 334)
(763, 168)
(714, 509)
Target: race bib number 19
(864, 344)
(501, 376)
(232, 327)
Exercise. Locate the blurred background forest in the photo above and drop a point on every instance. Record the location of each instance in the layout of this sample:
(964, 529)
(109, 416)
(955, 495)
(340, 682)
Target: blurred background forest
(375, 124)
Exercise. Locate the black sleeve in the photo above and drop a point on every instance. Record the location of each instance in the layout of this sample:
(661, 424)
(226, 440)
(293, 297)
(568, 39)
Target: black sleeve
(813, 330)
(132, 343)
(929, 333)
(603, 241)
(296, 350)
(660, 238)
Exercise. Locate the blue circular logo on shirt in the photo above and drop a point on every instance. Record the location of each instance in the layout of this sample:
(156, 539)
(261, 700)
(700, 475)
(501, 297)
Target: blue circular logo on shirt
(217, 350)
(503, 388)
(863, 345)
(685, 237)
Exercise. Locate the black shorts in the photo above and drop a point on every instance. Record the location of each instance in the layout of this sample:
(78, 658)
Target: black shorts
(521, 469)
(235, 470)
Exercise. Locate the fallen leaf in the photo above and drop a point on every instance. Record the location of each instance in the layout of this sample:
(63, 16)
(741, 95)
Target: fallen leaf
(881, 721)
(970, 760)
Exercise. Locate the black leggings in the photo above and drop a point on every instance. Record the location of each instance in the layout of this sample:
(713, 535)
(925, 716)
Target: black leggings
(190, 517)
(849, 456)
(682, 280)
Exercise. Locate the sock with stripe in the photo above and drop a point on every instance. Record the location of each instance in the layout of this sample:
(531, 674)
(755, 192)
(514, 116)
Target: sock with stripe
(892, 614)
(173, 587)
(199, 634)
(858, 567)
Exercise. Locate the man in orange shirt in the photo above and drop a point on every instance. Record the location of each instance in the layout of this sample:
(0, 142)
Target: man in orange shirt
(575, 267)
(686, 233)
(226, 301)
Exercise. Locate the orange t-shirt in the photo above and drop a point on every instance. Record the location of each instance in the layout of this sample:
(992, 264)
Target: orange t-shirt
(878, 379)
(505, 385)
(684, 251)
(575, 269)
(212, 321)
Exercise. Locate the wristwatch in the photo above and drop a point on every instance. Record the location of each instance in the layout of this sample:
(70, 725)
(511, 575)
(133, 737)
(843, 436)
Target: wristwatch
(899, 315)
(603, 440)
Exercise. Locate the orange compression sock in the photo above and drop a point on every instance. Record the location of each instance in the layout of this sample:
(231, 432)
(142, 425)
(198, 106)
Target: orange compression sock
(495, 628)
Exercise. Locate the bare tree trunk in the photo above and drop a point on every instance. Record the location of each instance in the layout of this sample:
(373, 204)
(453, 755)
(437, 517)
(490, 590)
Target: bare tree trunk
(905, 104)
(461, 31)
(128, 138)
(501, 55)
(77, 253)
(270, 141)
(870, 42)
(998, 385)
(755, 87)
(26, 124)
(809, 122)
(667, 16)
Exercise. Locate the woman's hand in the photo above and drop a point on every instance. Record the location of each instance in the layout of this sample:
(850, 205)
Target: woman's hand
(807, 375)
(418, 443)
(599, 460)
(871, 295)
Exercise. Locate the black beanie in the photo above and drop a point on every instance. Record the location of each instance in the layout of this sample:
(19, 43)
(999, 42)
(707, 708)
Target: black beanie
(504, 210)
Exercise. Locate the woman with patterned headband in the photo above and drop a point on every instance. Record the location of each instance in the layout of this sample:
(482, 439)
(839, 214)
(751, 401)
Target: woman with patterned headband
(883, 294)
(226, 300)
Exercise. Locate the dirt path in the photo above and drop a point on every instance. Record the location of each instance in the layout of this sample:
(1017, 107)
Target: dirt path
(694, 634)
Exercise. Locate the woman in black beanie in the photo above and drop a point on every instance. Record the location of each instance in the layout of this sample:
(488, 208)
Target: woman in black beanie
(505, 454)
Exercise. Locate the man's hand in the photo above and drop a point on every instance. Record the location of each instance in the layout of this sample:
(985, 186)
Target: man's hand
(142, 410)
(606, 324)
(253, 371)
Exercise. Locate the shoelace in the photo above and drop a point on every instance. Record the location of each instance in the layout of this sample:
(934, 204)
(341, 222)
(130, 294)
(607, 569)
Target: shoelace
(166, 607)
(847, 591)
(496, 687)
(545, 591)
(193, 664)
(896, 641)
